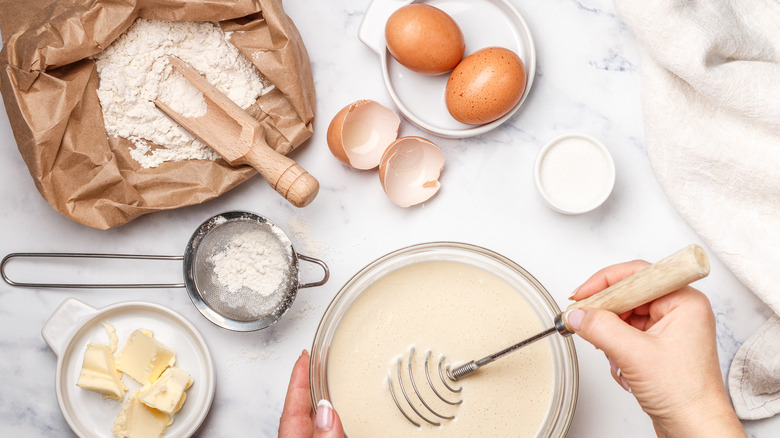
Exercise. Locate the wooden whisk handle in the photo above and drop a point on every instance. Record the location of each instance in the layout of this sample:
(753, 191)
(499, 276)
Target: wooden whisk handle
(665, 276)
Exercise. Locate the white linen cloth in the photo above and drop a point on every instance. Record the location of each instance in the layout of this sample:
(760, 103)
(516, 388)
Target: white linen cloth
(711, 108)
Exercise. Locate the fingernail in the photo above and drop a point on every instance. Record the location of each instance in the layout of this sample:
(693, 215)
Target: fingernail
(612, 365)
(623, 381)
(324, 415)
(574, 318)
(574, 293)
(624, 384)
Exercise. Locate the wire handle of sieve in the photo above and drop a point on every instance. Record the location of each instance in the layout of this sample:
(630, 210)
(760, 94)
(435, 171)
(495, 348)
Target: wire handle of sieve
(20, 255)
(326, 271)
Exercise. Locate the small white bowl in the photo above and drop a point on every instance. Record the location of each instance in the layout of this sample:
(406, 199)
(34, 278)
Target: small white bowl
(574, 173)
(420, 98)
(75, 324)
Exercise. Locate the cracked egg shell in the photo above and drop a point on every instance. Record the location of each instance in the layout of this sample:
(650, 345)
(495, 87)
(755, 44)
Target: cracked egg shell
(359, 134)
(410, 169)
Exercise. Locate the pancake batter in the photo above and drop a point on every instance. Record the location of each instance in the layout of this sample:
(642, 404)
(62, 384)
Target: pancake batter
(453, 308)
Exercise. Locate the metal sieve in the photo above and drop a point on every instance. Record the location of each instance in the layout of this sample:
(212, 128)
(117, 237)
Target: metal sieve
(241, 309)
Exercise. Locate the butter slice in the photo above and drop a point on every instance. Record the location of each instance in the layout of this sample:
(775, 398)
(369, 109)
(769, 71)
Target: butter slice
(168, 393)
(113, 340)
(136, 420)
(99, 373)
(144, 358)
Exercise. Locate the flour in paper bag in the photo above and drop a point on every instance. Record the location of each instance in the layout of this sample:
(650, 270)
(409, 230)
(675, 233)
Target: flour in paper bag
(134, 71)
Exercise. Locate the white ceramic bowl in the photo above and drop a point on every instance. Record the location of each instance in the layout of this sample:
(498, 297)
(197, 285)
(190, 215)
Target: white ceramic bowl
(75, 324)
(574, 173)
(420, 98)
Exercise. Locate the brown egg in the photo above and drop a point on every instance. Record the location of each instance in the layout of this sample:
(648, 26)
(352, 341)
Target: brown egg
(424, 39)
(485, 86)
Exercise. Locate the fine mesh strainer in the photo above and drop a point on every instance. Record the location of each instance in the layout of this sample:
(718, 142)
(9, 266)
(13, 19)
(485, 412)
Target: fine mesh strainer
(234, 307)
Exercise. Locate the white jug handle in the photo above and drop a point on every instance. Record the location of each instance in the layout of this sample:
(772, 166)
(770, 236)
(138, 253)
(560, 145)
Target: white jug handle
(372, 28)
(58, 328)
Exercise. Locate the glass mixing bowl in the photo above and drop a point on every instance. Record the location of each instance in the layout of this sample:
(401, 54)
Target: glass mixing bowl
(566, 378)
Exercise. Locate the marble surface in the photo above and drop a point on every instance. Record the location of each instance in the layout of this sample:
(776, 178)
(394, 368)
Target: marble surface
(587, 80)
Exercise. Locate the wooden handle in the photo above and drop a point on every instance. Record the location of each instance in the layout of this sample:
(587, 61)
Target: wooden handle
(675, 271)
(283, 174)
(238, 138)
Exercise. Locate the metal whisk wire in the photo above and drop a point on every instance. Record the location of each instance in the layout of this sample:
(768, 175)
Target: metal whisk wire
(419, 397)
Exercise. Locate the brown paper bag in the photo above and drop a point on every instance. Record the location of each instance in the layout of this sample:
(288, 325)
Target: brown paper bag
(49, 84)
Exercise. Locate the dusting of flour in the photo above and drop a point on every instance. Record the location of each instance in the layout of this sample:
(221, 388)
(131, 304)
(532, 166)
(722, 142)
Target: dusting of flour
(253, 269)
(134, 71)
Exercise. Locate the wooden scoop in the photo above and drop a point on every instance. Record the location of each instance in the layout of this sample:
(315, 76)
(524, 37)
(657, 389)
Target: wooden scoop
(238, 138)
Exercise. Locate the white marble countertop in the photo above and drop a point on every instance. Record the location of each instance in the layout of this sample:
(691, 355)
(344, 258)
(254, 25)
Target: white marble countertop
(587, 80)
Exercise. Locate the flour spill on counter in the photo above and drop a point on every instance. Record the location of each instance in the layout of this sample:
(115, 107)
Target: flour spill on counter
(311, 245)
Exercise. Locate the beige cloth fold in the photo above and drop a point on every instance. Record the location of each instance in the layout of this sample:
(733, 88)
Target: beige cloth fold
(711, 108)
(754, 379)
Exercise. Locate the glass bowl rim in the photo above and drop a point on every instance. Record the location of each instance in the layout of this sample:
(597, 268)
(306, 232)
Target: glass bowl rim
(570, 372)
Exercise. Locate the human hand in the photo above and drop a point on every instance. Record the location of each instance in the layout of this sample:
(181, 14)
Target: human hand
(665, 353)
(298, 418)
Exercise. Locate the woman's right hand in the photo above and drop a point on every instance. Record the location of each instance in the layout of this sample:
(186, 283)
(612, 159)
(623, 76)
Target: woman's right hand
(665, 353)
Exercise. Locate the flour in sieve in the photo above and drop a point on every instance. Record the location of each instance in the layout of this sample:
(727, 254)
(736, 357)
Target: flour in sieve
(253, 270)
(134, 71)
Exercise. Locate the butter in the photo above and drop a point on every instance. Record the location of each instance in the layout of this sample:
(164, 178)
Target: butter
(144, 358)
(99, 373)
(136, 420)
(149, 412)
(113, 339)
(168, 393)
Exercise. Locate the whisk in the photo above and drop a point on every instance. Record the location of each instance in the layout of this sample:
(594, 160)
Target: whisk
(414, 389)
(652, 282)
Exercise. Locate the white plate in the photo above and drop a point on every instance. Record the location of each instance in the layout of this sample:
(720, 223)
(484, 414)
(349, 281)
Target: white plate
(420, 98)
(75, 324)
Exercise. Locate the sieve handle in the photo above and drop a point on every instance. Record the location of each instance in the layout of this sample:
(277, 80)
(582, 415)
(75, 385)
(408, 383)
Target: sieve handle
(39, 255)
(326, 271)
(656, 280)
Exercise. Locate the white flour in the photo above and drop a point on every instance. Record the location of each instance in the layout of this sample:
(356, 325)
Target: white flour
(253, 269)
(134, 71)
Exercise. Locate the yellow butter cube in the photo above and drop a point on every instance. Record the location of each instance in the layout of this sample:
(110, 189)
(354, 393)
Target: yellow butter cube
(169, 391)
(136, 420)
(99, 373)
(144, 358)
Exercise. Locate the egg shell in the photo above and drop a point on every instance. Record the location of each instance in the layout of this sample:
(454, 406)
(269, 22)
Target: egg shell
(359, 134)
(485, 86)
(424, 39)
(409, 170)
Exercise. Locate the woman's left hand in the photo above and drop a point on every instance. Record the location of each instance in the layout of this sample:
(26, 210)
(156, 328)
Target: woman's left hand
(298, 418)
